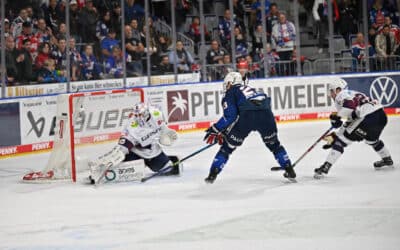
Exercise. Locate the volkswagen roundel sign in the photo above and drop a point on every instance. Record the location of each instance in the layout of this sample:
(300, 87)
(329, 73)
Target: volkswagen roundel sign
(384, 89)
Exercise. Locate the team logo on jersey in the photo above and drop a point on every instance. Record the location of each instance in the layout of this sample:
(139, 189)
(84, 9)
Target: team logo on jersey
(384, 89)
(134, 124)
(178, 109)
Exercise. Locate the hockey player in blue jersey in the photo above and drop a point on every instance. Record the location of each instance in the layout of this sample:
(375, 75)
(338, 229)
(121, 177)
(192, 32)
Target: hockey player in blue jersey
(245, 110)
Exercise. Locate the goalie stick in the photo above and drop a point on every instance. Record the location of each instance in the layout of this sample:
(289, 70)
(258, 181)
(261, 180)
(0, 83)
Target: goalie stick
(307, 151)
(164, 170)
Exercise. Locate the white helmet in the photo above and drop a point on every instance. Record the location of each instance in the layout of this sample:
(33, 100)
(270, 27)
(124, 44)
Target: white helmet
(232, 78)
(141, 111)
(337, 83)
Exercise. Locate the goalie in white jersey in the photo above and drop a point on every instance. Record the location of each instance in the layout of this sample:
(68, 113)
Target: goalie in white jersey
(140, 141)
(365, 120)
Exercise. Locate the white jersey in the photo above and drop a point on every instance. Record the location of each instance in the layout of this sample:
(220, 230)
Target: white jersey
(144, 135)
(348, 101)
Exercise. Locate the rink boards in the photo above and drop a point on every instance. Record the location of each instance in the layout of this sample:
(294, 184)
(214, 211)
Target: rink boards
(27, 124)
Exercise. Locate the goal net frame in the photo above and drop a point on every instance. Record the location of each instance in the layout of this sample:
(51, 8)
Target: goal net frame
(70, 107)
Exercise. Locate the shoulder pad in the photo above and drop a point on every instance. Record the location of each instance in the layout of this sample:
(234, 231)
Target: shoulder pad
(133, 123)
(343, 95)
(157, 115)
(155, 112)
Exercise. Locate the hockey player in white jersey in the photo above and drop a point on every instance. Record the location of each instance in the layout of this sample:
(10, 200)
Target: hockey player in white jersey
(365, 120)
(140, 141)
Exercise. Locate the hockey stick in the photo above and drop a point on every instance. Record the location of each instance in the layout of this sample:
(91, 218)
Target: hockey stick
(164, 170)
(307, 151)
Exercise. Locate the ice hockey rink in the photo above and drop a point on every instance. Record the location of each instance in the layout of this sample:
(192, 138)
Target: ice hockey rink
(248, 207)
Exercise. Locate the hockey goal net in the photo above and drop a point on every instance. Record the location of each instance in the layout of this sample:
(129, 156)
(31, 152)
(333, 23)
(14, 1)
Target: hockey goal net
(84, 118)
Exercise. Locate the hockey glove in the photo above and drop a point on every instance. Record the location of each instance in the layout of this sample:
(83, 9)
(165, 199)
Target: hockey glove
(213, 136)
(335, 121)
(330, 139)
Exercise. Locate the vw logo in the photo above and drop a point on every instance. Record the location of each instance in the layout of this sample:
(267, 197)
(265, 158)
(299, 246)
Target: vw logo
(384, 89)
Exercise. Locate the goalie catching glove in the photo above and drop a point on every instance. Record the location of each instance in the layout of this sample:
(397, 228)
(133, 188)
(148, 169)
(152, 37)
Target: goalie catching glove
(213, 136)
(167, 136)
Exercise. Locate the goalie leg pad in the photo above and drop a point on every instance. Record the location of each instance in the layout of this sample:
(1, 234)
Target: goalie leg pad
(126, 171)
(104, 162)
(111, 158)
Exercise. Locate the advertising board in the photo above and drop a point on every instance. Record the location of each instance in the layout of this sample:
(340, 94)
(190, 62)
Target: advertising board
(58, 88)
(185, 107)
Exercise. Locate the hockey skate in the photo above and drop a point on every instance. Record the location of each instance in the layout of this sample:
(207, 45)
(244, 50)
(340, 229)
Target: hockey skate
(175, 170)
(212, 176)
(321, 171)
(386, 161)
(289, 173)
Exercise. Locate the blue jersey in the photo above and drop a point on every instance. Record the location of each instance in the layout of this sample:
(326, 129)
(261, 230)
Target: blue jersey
(237, 99)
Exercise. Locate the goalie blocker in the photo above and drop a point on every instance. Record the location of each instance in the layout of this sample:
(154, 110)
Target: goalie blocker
(142, 136)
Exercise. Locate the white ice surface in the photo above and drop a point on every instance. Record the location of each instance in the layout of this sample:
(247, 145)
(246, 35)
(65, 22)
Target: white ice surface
(248, 207)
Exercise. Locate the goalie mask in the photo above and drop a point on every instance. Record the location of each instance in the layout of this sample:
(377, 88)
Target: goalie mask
(141, 112)
(232, 78)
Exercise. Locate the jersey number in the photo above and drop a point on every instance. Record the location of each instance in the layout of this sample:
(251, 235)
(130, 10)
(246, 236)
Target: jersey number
(248, 91)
